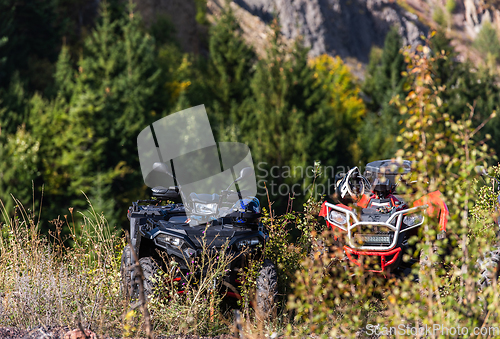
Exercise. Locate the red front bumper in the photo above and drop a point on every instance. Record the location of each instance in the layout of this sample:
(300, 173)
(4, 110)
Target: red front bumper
(384, 262)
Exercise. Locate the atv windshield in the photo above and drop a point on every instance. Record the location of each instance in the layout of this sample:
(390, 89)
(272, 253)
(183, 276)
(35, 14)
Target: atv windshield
(180, 150)
(386, 170)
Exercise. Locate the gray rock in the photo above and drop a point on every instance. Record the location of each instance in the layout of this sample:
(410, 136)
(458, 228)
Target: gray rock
(348, 28)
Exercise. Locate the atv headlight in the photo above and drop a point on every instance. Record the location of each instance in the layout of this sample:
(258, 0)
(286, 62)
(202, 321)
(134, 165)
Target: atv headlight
(247, 243)
(338, 218)
(205, 209)
(166, 240)
(413, 219)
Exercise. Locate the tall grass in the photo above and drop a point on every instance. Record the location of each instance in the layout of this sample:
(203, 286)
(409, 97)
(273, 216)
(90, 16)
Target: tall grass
(199, 308)
(45, 282)
(51, 281)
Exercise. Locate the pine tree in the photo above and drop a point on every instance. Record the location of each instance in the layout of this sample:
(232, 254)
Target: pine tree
(32, 35)
(487, 42)
(465, 85)
(222, 81)
(14, 103)
(230, 68)
(19, 167)
(384, 81)
(288, 118)
(6, 20)
(346, 113)
(100, 109)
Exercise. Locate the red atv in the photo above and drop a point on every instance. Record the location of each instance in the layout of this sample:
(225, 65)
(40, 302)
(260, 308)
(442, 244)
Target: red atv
(375, 223)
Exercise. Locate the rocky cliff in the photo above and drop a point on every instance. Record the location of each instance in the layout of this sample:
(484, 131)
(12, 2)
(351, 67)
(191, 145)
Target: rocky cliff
(347, 28)
(462, 24)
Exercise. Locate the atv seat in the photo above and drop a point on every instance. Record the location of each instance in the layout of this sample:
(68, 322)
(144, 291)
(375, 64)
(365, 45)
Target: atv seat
(204, 198)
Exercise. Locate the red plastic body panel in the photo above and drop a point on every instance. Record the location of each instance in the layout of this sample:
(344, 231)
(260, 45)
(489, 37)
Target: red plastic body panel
(437, 207)
(383, 262)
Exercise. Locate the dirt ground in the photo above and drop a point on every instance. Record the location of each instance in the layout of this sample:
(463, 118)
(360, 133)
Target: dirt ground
(59, 333)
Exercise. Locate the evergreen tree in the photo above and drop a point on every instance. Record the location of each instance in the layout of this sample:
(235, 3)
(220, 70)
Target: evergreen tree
(6, 20)
(163, 31)
(14, 102)
(446, 70)
(289, 117)
(465, 85)
(222, 81)
(384, 81)
(229, 70)
(346, 114)
(487, 42)
(95, 119)
(19, 168)
(32, 36)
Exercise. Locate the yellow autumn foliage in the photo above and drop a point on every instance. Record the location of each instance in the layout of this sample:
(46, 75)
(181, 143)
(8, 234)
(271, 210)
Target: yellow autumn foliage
(348, 107)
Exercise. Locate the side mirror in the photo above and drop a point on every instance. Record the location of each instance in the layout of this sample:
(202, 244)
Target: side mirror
(481, 170)
(245, 172)
(159, 176)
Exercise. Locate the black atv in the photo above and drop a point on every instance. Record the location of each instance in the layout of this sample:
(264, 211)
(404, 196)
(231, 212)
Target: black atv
(163, 233)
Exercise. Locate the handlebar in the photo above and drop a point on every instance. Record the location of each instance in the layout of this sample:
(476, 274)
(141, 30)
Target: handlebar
(225, 195)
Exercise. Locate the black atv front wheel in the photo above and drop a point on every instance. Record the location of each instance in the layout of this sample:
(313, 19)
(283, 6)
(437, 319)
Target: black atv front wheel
(266, 289)
(150, 271)
(127, 273)
(489, 266)
(130, 276)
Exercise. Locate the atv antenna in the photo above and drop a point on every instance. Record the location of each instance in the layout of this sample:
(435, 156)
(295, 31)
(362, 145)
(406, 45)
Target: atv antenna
(173, 172)
(235, 184)
(245, 172)
(155, 139)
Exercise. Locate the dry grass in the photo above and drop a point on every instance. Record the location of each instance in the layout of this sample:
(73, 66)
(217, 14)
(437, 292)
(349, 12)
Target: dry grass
(44, 282)
(60, 282)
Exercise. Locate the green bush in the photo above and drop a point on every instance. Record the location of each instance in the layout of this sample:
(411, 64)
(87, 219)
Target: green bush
(487, 42)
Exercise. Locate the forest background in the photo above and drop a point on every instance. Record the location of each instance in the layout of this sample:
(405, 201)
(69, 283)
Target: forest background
(74, 95)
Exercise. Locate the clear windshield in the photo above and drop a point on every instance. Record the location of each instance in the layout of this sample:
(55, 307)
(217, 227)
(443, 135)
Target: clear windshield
(382, 170)
(184, 144)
